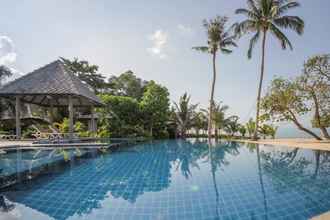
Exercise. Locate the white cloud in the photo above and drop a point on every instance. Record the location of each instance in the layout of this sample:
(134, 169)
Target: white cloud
(185, 29)
(159, 41)
(7, 54)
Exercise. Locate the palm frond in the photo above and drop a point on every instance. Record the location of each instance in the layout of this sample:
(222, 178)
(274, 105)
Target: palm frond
(226, 51)
(248, 13)
(252, 5)
(284, 8)
(245, 27)
(293, 22)
(280, 36)
(253, 42)
(203, 49)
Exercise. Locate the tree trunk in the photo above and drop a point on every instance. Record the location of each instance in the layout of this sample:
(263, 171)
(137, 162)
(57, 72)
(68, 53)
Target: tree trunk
(318, 117)
(296, 122)
(212, 97)
(255, 136)
(216, 133)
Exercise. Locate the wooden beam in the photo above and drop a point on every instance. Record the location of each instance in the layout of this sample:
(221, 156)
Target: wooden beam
(71, 111)
(18, 117)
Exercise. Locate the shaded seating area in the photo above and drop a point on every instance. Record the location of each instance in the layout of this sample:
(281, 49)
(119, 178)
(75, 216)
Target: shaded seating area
(51, 86)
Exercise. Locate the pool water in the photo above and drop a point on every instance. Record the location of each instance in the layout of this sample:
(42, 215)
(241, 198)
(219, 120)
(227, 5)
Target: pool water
(178, 179)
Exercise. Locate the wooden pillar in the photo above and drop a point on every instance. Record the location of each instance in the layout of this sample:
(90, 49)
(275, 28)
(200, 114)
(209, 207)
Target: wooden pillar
(18, 117)
(71, 111)
(93, 123)
(51, 112)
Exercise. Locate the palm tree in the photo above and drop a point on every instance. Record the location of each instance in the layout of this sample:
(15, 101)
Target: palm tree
(218, 39)
(219, 117)
(199, 122)
(264, 16)
(184, 112)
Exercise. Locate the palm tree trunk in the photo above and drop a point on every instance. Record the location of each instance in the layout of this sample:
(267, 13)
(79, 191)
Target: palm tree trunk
(212, 97)
(255, 136)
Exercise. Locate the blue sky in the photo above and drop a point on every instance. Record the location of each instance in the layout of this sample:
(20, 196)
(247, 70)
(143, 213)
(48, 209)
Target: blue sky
(154, 39)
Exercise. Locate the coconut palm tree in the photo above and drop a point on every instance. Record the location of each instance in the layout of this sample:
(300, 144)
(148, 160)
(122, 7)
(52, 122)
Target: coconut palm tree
(218, 39)
(184, 112)
(263, 17)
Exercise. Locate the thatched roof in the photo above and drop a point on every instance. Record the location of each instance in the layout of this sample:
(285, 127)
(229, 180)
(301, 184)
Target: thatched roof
(51, 85)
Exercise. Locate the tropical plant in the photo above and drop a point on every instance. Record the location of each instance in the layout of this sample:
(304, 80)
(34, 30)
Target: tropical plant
(231, 125)
(314, 86)
(219, 119)
(184, 112)
(155, 109)
(86, 72)
(283, 103)
(127, 84)
(199, 122)
(267, 130)
(250, 127)
(242, 130)
(218, 39)
(263, 17)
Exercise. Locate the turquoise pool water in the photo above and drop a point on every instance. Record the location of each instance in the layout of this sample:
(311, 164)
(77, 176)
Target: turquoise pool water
(177, 179)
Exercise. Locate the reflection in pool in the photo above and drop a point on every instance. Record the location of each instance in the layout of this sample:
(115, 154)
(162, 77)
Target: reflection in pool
(179, 179)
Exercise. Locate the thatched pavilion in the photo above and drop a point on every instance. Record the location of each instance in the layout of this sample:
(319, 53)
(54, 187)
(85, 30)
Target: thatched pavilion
(50, 86)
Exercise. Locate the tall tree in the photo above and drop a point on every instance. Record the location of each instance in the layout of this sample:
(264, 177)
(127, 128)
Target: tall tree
(127, 84)
(283, 103)
(155, 108)
(86, 72)
(263, 17)
(184, 112)
(315, 86)
(218, 39)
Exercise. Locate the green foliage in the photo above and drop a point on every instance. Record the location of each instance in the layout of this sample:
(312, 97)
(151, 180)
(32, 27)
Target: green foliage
(218, 38)
(242, 130)
(79, 127)
(86, 73)
(268, 15)
(121, 116)
(127, 84)
(282, 101)
(232, 126)
(314, 86)
(184, 114)
(268, 130)
(155, 109)
(250, 127)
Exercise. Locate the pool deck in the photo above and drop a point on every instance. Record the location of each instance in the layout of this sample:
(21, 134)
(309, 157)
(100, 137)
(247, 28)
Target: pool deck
(324, 216)
(294, 142)
(29, 144)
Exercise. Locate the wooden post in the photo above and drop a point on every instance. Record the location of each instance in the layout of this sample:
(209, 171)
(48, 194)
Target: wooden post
(71, 111)
(18, 117)
(93, 124)
(51, 112)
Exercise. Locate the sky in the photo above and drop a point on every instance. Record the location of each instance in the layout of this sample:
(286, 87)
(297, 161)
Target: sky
(154, 39)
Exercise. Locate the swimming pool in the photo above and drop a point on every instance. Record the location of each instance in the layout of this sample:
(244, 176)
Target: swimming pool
(177, 179)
